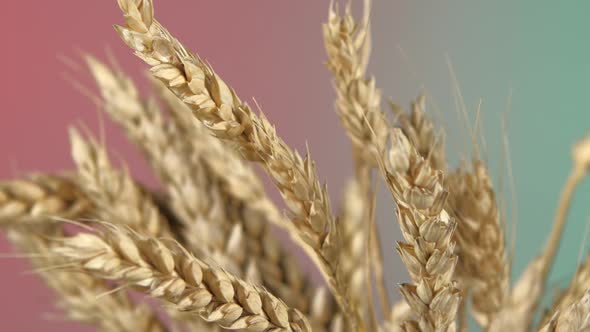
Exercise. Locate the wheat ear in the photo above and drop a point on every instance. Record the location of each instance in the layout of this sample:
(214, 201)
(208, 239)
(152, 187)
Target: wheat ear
(576, 288)
(358, 100)
(219, 108)
(249, 205)
(165, 270)
(114, 193)
(34, 199)
(79, 292)
(573, 318)
(483, 266)
(428, 252)
(194, 199)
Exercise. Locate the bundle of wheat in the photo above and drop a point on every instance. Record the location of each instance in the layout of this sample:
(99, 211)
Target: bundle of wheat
(204, 244)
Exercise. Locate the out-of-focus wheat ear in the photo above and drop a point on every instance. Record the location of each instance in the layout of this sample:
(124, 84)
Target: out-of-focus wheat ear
(428, 250)
(353, 232)
(38, 197)
(222, 179)
(576, 288)
(165, 270)
(400, 312)
(347, 44)
(483, 268)
(518, 313)
(115, 194)
(194, 199)
(221, 111)
(358, 99)
(420, 130)
(573, 318)
(78, 292)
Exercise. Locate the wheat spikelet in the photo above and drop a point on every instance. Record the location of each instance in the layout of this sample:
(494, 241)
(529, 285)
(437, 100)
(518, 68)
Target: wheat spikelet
(166, 270)
(480, 240)
(219, 108)
(34, 199)
(576, 289)
(573, 318)
(79, 292)
(419, 129)
(427, 228)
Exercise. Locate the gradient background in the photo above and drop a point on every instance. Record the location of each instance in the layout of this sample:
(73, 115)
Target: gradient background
(532, 51)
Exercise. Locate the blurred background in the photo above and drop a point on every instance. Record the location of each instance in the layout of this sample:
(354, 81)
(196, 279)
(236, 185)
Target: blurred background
(525, 60)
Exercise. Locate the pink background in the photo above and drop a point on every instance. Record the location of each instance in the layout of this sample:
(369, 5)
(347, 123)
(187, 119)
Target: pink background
(268, 49)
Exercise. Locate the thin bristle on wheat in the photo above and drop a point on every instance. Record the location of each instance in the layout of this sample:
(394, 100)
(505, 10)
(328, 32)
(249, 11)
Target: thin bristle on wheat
(78, 292)
(222, 112)
(38, 197)
(167, 271)
(427, 228)
(483, 267)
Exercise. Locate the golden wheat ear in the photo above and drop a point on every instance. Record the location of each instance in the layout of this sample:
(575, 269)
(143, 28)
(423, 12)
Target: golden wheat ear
(39, 197)
(165, 270)
(79, 292)
(428, 250)
(572, 318)
(225, 116)
(483, 267)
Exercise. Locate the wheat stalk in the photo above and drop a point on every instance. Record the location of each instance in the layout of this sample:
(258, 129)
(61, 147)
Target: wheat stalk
(219, 108)
(164, 269)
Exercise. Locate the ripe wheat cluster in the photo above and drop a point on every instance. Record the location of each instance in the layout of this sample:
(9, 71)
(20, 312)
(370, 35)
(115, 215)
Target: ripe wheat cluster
(204, 243)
